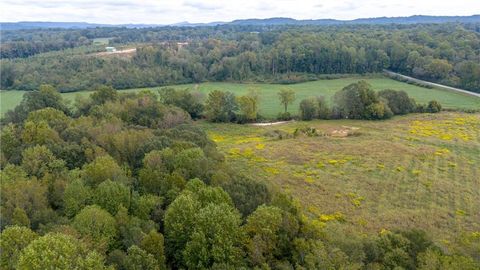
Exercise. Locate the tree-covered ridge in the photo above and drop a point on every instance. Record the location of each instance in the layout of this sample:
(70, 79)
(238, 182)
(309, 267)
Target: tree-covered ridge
(444, 53)
(124, 181)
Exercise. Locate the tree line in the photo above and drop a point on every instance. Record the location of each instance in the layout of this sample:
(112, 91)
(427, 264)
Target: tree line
(355, 101)
(444, 53)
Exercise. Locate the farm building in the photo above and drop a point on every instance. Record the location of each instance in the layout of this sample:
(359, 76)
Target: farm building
(181, 44)
(110, 49)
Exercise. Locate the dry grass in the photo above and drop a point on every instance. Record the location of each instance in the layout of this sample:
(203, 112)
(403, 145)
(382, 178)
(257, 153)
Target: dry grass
(416, 171)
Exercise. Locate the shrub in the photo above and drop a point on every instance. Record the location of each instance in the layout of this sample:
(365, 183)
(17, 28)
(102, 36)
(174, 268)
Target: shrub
(377, 111)
(359, 101)
(398, 101)
(309, 108)
(434, 107)
(324, 111)
(284, 116)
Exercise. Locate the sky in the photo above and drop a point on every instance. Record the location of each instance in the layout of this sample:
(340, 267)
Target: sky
(196, 11)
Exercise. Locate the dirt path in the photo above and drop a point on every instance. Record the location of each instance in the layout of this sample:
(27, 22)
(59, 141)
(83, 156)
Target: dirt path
(271, 123)
(432, 84)
(126, 51)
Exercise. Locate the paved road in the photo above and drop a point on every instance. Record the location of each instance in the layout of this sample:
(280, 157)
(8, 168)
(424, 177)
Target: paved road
(433, 84)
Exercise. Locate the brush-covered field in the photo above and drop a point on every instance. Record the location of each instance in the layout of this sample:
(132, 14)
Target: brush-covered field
(416, 171)
(270, 105)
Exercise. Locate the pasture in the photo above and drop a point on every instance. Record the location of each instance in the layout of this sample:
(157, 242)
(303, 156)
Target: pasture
(270, 105)
(416, 171)
(101, 41)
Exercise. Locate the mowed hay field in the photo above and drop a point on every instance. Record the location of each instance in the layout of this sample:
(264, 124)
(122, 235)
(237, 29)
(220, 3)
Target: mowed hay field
(416, 171)
(270, 106)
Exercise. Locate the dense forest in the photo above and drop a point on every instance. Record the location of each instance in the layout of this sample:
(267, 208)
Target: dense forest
(445, 53)
(128, 181)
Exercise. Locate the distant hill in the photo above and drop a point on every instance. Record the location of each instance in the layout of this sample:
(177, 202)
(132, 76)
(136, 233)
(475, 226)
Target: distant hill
(197, 24)
(270, 21)
(66, 25)
(380, 20)
(36, 25)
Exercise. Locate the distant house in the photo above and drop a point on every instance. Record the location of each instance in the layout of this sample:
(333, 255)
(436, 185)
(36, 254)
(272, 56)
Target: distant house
(182, 44)
(110, 49)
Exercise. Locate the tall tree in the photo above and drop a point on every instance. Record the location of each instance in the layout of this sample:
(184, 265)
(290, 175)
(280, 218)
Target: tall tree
(286, 96)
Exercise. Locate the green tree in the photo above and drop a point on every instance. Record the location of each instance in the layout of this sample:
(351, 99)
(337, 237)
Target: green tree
(311, 254)
(143, 206)
(20, 218)
(28, 195)
(262, 228)
(39, 133)
(324, 111)
(97, 227)
(286, 96)
(131, 228)
(189, 101)
(101, 169)
(438, 68)
(215, 239)
(55, 118)
(378, 110)
(75, 197)
(153, 243)
(469, 73)
(103, 94)
(12, 241)
(247, 194)
(11, 145)
(248, 107)
(111, 195)
(47, 96)
(220, 106)
(309, 108)
(58, 251)
(179, 224)
(433, 259)
(139, 259)
(359, 101)
(191, 163)
(39, 160)
(398, 101)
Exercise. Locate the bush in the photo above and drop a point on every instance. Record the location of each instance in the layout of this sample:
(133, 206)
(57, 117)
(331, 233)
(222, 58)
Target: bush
(398, 101)
(377, 111)
(324, 111)
(421, 108)
(309, 109)
(359, 101)
(284, 116)
(434, 107)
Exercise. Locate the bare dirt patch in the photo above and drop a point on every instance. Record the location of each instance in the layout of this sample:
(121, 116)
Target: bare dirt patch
(345, 131)
(271, 123)
(124, 52)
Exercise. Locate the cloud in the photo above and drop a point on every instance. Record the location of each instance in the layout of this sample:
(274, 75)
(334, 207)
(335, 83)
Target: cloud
(201, 5)
(165, 12)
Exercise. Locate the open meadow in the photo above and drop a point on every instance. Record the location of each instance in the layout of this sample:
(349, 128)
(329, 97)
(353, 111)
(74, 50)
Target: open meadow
(270, 105)
(417, 171)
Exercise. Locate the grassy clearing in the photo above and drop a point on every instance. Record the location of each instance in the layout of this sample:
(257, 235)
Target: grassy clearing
(415, 171)
(101, 41)
(270, 105)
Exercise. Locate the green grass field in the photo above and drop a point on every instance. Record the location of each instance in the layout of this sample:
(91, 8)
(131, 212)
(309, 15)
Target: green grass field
(416, 171)
(101, 41)
(270, 106)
